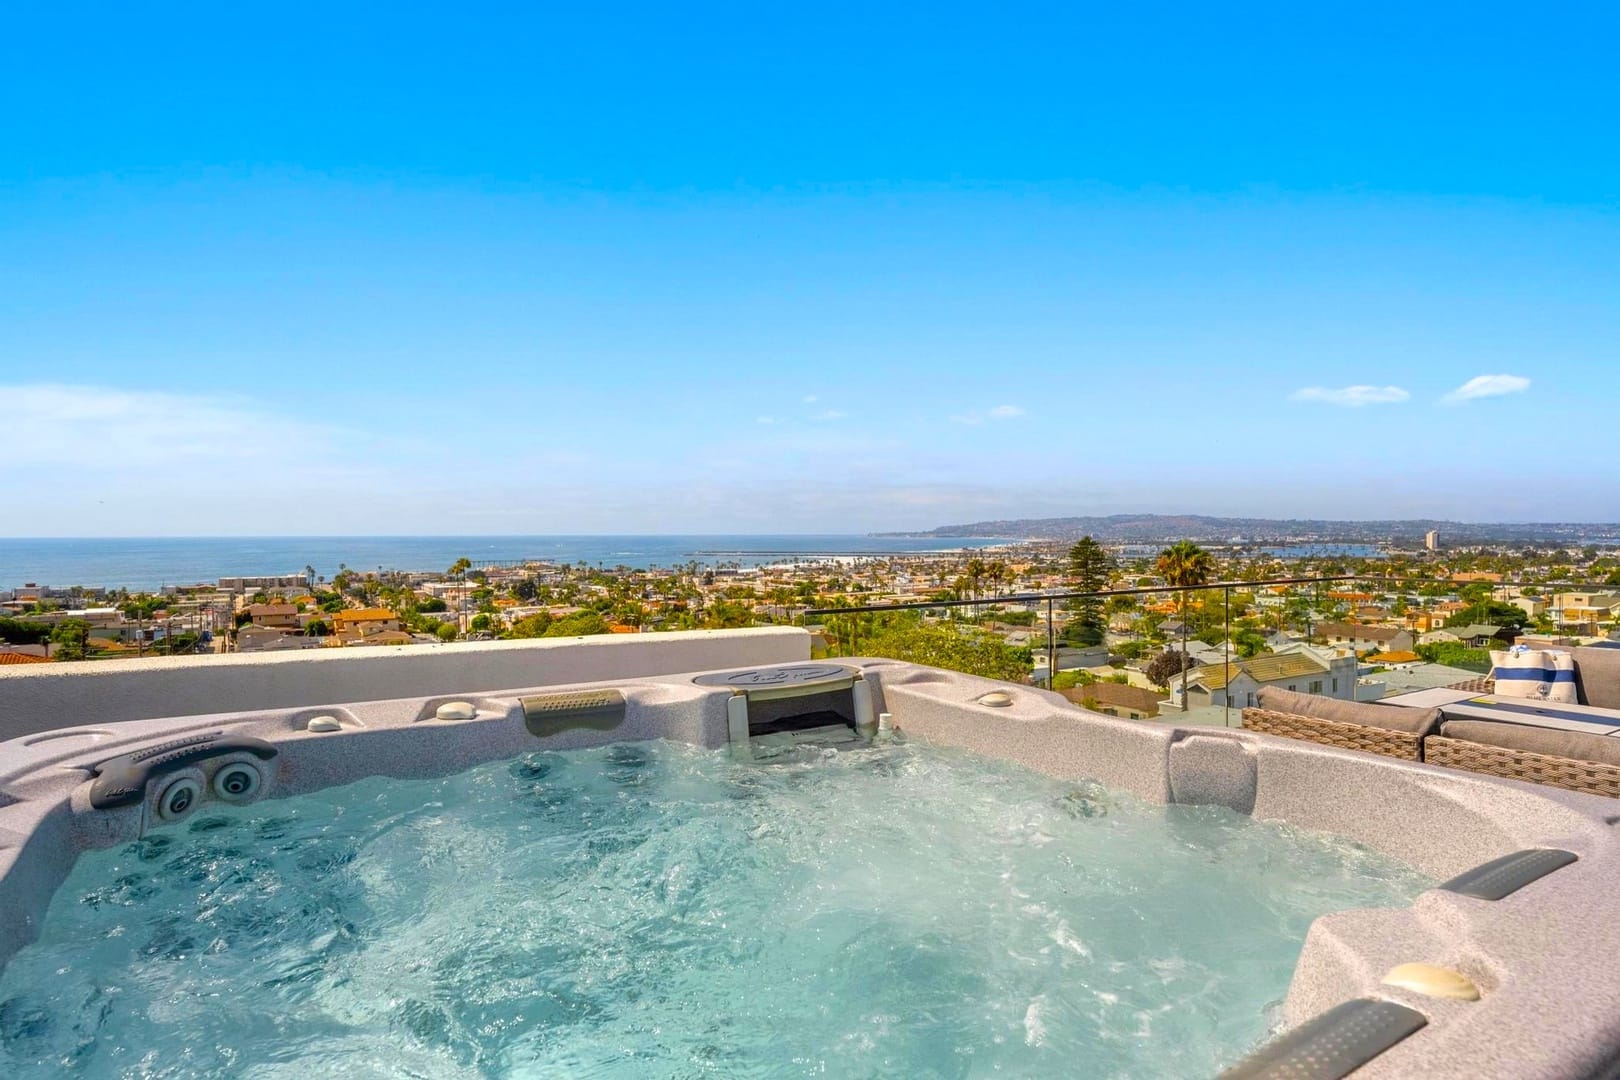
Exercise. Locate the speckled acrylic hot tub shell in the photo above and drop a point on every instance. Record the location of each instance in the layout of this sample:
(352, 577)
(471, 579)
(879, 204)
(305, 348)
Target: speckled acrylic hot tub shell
(1541, 957)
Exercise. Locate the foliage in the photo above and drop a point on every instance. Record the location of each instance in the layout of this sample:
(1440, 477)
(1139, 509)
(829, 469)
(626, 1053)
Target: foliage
(1185, 565)
(728, 614)
(431, 603)
(1090, 565)
(71, 638)
(141, 608)
(532, 626)
(1080, 635)
(579, 624)
(167, 645)
(447, 632)
(945, 647)
(316, 628)
(1068, 680)
(1249, 643)
(1456, 654)
(541, 624)
(1491, 612)
(1166, 666)
(23, 631)
(481, 623)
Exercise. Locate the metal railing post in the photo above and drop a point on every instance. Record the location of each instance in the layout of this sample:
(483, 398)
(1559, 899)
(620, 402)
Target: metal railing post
(1183, 662)
(1226, 696)
(1051, 649)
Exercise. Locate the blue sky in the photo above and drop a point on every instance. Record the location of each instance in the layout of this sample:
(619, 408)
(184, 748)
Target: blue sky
(710, 268)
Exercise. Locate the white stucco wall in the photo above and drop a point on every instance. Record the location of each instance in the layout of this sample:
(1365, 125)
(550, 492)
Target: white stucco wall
(43, 697)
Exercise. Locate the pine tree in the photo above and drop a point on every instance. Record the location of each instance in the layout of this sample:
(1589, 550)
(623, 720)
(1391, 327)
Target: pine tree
(1090, 565)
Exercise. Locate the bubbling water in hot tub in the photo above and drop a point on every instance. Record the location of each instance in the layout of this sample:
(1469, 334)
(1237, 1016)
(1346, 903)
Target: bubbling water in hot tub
(653, 909)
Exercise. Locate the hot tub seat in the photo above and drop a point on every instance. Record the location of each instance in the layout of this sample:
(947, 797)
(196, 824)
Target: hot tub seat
(1572, 760)
(1564, 759)
(1352, 725)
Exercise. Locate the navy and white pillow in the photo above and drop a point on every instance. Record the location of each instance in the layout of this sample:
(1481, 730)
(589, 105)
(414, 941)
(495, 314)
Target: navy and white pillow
(1539, 674)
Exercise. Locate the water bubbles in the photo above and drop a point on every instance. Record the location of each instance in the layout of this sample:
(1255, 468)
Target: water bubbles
(657, 909)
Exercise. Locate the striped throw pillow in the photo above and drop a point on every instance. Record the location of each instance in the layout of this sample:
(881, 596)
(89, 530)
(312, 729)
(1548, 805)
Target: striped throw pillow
(1541, 674)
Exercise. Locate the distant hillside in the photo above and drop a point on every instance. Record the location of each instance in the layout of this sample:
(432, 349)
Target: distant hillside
(1153, 528)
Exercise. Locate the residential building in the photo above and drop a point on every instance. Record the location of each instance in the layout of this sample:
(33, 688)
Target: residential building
(1363, 638)
(369, 636)
(1532, 606)
(1582, 611)
(1117, 699)
(1475, 636)
(253, 639)
(364, 621)
(277, 616)
(1422, 622)
(1238, 684)
(271, 581)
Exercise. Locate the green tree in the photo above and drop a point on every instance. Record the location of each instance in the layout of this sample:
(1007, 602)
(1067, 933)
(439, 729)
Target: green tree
(1456, 654)
(1068, 680)
(1249, 643)
(1184, 565)
(71, 638)
(1090, 565)
(579, 624)
(447, 632)
(533, 626)
(23, 631)
(968, 650)
(1491, 612)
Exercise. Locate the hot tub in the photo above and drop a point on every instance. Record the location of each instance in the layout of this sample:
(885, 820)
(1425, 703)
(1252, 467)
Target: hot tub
(853, 868)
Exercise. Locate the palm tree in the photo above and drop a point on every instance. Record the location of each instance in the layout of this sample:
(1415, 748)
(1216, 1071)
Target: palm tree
(1184, 565)
(976, 570)
(458, 569)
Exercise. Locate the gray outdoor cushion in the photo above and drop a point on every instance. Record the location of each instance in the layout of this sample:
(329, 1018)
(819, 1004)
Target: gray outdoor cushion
(1554, 742)
(1388, 717)
(1597, 674)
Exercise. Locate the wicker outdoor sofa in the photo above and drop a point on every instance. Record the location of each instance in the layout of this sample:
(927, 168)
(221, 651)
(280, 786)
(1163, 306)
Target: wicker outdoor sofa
(1567, 759)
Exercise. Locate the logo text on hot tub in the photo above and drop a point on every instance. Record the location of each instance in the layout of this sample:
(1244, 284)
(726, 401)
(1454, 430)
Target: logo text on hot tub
(782, 676)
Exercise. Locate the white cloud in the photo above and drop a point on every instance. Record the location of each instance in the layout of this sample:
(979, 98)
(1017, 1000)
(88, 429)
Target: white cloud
(1484, 386)
(107, 428)
(811, 399)
(830, 414)
(766, 420)
(1352, 397)
(1000, 412)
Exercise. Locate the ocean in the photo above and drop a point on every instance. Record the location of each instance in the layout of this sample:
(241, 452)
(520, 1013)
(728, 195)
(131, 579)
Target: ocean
(151, 562)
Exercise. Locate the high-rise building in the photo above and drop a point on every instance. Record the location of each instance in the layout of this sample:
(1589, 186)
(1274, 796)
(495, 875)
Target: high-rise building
(1431, 539)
